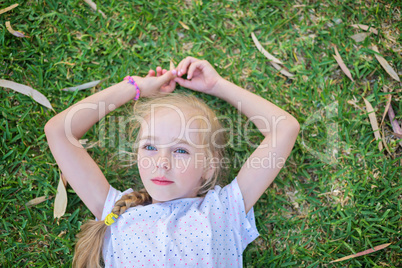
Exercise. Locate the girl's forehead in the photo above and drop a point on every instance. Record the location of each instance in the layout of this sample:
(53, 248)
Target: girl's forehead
(166, 125)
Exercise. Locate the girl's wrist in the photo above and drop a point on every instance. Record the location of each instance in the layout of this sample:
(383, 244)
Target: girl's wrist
(219, 87)
(133, 82)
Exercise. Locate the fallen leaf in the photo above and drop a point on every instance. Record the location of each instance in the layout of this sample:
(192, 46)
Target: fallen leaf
(84, 86)
(386, 108)
(386, 65)
(64, 180)
(363, 252)
(395, 125)
(13, 32)
(37, 200)
(63, 62)
(172, 65)
(184, 25)
(355, 105)
(8, 8)
(26, 90)
(359, 37)
(282, 70)
(62, 233)
(342, 64)
(385, 143)
(93, 6)
(397, 135)
(84, 144)
(373, 122)
(263, 51)
(60, 202)
(365, 28)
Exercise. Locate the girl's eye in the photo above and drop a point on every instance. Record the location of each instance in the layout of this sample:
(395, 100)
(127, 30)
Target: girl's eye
(149, 147)
(181, 151)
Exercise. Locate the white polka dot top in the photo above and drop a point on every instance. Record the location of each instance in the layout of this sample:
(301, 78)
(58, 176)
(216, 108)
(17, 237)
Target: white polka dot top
(192, 232)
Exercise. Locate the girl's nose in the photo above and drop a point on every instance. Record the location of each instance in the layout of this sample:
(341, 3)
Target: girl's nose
(163, 162)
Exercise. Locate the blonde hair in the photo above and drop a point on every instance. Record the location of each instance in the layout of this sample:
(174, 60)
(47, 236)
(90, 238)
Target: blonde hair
(88, 250)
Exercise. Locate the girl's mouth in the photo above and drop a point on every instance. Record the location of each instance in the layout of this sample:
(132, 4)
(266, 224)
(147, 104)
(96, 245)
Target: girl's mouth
(158, 182)
(161, 181)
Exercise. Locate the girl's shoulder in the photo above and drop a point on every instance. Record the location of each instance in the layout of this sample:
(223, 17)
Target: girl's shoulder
(112, 196)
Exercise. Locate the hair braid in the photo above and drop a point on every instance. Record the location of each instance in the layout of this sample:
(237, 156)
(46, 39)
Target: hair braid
(131, 200)
(93, 232)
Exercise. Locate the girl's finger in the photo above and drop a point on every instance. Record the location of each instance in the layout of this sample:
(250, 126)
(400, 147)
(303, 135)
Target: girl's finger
(193, 67)
(158, 71)
(182, 67)
(151, 73)
(164, 71)
(183, 82)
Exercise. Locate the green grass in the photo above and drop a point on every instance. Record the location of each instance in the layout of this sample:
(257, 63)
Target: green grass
(315, 211)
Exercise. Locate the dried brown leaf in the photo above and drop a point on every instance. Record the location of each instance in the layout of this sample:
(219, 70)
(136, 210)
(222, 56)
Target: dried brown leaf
(84, 86)
(8, 8)
(172, 65)
(363, 253)
(365, 28)
(26, 90)
(13, 32)
(389, 97)
(263, 51)
(385, 142)
(397, 135)
(359, 37)
(342, 64)
(64, 180)
(93, 6)
(184, 25)
(355, 105)
(60, 202)
(38, 200)
(373, 122)
(386, 65)
(395, 125)
(282, 70)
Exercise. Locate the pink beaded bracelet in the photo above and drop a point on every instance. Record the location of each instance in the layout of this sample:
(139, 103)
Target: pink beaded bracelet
(131, 81)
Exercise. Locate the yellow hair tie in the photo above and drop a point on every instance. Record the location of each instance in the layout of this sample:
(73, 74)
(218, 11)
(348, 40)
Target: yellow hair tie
(109, 218)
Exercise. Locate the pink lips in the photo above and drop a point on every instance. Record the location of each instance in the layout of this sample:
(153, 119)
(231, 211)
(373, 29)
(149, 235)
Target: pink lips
(161, 181)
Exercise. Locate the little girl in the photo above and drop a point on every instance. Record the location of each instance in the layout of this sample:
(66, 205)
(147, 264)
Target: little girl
(181, 217)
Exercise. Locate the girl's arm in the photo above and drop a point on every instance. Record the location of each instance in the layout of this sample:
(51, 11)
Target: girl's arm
(279, 127)
(65, 129)
(280, 130)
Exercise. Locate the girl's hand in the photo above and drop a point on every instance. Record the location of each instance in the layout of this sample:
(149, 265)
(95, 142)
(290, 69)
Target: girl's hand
(169, 86)
(153, 86)
(201, 76)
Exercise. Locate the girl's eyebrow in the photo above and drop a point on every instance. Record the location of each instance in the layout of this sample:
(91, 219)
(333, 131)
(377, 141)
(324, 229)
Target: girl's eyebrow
(178, 141)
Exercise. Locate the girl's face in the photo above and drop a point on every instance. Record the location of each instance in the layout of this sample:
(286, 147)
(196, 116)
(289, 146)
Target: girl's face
(171, 159)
